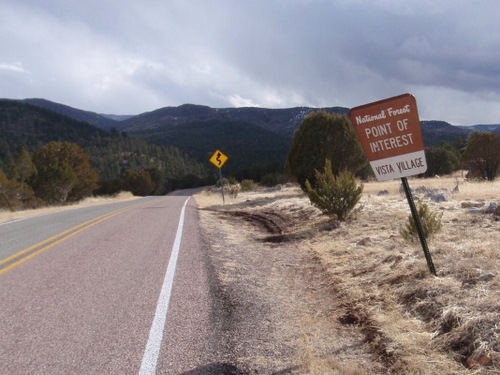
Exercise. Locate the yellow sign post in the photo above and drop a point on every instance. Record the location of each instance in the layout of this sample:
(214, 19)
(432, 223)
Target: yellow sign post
(218, 159)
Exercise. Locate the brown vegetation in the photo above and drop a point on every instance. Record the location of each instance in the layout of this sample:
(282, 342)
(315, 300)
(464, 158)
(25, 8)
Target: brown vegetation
(369, 303)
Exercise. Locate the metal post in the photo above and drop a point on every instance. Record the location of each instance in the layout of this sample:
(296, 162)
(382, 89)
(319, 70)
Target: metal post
(416, 218)
(222, 185)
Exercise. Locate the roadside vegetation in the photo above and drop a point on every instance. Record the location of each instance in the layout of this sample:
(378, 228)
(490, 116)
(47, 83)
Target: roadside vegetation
(335, 196)
(372, 304)
(375, 285)
(63, 173)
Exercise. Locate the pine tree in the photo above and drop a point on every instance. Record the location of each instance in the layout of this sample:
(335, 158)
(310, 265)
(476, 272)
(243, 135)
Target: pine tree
(323, 136)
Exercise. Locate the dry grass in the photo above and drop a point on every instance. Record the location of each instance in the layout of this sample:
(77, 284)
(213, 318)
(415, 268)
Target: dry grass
(415, 323)
(439, 323)
(468, 190)
(91, 201)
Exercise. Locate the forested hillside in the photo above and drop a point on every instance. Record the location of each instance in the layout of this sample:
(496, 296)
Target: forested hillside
(280, 121)
(245, 144)
(256, 140)
(435, 132)
(28, 126)
(111, 154)
(99, 121)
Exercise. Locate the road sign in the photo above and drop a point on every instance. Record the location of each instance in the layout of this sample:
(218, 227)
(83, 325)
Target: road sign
(389, 132)
(218, 159)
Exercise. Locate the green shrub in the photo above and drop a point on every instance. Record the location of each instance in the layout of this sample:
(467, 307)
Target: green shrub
(272, 179)
(430, 222)
(247, 185)
(334, 195)
(224, 180)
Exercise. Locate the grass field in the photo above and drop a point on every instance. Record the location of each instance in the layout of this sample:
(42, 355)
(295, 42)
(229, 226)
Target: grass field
(414, 323)
(422, 323)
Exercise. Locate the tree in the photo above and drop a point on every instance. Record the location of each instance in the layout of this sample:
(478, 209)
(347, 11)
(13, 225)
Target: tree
(158, 179)
(14, 195)
(64, 173)
(22, 168)
(323, 136)
(7, 198)
(482, 155)
(440, 161)
(138, 183)
(334, 195)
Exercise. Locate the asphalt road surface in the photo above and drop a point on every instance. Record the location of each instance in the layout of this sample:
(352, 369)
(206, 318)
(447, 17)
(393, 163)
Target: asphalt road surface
(114, 289)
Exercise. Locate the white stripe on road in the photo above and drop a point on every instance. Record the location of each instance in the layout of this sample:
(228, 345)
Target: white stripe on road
(150, 358)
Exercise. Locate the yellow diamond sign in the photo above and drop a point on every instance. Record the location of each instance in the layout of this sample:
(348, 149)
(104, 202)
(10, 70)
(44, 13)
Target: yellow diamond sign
(218, 159)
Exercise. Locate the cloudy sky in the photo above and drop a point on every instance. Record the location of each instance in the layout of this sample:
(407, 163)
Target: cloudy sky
(133, 56)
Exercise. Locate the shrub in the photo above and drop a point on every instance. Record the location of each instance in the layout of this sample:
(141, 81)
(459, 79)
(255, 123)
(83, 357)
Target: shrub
(430, 222)
(272, 179)
(225, 182)
(334, 195)
(233, 190)
(247, 185)
(482, 155)
(321, 136)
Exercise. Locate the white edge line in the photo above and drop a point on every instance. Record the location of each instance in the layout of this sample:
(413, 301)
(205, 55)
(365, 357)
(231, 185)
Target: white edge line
(153, 346)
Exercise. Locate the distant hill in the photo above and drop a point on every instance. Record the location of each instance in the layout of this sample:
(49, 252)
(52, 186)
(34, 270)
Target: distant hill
(250, 136)
(30, 126)
(105, 122)
(116, 117)
(280, 121)
(245, 144)
(434, 132)
(494, 128)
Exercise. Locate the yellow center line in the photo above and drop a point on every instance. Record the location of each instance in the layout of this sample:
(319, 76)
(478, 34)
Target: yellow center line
(15, 264)
(58, 238)
(55, 237)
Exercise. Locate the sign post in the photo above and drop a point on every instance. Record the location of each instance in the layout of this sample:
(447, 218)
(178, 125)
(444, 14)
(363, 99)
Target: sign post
(218, 159)
(389, 132)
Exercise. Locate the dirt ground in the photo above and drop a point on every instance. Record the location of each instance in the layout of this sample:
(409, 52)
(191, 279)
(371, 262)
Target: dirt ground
(310, 295)
(283, 306)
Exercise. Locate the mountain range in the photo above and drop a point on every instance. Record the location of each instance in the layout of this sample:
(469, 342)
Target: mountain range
(279, 121)
(249, 136)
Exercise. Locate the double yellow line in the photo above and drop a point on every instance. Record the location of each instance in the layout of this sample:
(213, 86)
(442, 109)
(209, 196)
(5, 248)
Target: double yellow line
(32, 251)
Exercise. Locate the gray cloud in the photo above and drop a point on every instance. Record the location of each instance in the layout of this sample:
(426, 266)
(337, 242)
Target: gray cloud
(129, 56)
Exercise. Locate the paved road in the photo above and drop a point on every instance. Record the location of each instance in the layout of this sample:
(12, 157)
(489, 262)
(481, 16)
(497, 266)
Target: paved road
(79, 291)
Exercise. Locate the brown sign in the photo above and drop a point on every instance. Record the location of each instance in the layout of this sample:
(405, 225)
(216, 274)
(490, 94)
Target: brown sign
(389, 132)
